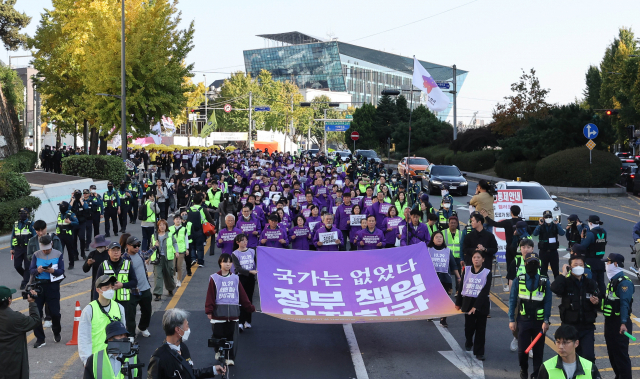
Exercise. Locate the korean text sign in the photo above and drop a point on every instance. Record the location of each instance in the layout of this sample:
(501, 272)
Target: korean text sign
(337, 287)
(502, 210)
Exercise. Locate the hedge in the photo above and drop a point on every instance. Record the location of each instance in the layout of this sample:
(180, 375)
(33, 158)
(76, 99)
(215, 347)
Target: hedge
(13, 186)
(9, 211)
(22, 161)
(434, 154)
(105, 167)
(474, 161)
(571, 168)
(522, 169)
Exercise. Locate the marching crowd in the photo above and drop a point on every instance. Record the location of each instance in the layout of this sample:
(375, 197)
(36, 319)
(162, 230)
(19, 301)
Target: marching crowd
(237, 201)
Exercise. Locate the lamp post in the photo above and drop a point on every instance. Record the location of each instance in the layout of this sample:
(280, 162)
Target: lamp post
(123, 91)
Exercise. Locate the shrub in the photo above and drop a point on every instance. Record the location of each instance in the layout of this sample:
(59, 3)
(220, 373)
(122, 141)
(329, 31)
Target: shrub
(571, 168)
(434, 154)
(523, 169)
(474, 140)
(9, 211)
(474, 161)
(23, 161)
(13, 186)
(105, 167)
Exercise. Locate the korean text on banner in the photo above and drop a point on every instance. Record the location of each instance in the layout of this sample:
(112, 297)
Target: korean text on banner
(502, 210)
(321, 287)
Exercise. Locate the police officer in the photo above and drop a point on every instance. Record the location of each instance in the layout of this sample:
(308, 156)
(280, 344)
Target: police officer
(594, 240)
(580, 302)
(101, 364)
(66, 222)
(548, 230)
(124, 196)
(574, 230)
(97, 212)
(22, 231)
(446, 211)
(136, 192)
(568, 364)
(81, 209)
(530, 300)
(111, 203)
(444, 191)
(616, 307)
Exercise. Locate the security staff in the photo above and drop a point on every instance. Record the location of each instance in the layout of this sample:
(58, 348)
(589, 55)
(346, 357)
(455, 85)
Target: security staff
(530, 300)
(97, 211)
(81, 209)
(616, 307)
(594, 240)
(580, 302)
(444, 191)
(136, 192)
(445, 212)
(104, 365)
(22, 231)
(111, 209)
(66, 221)
(96, 316)
(548, 230)
(47, 269)
(214, 196)
(453, 239)
(568, 364)
(124, 196)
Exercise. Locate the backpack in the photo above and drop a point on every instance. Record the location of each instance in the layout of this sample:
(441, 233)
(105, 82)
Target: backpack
(142, 212)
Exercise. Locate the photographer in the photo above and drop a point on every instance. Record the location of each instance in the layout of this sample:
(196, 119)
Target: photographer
(47, 270)
(14, 326)
(111, 363)
(574, 231)
(82, 211)
(173, 359)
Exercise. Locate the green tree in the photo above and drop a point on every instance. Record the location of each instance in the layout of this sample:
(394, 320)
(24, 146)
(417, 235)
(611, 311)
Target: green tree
(426, 130)
(363, 122)
(402, 109)
(593, 81)
(11, 22)
(386, 120)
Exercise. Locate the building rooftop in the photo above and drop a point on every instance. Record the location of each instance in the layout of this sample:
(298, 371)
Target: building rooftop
(293, 38)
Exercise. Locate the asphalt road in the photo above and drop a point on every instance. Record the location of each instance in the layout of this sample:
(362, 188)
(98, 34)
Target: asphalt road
(276, 348)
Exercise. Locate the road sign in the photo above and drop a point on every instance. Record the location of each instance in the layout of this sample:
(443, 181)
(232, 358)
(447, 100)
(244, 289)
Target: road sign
(444, 85)
(591, 144)
(350, 117)
(590, 131)
(337, 126)
(227, 108)
(263, 108)
(355, 136)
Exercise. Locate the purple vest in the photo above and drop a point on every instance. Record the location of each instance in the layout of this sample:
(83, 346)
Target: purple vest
(474, 283)
(227, 289)
(440, 259)
(246, 258)
(248, 227)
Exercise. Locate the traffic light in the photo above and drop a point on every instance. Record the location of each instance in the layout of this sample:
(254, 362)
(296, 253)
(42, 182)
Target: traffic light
(202, 110)
(610, 112)
(254, 135)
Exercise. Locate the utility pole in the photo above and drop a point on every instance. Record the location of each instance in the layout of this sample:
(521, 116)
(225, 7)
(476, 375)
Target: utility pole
(250, 117)
(291, 129)
(455, 109)
(206, 104)
(309, 136)
(325, 132)
(123, 91)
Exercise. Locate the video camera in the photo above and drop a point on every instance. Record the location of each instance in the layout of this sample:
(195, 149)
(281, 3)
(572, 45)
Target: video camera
(222, 346)
(126, 349)
(35, 286)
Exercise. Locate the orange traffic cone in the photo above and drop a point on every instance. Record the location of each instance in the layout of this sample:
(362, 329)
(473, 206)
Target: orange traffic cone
(76, 323)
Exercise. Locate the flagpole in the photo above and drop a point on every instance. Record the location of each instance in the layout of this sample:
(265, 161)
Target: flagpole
(409, 155)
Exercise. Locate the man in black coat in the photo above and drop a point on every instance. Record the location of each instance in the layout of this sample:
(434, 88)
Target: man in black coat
(95, 259)
(480, 239)
(509, 225)
(174, 355)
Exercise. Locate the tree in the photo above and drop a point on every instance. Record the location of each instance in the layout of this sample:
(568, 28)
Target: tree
(363, 123)
(386, 120)
(11, 22)
(402, 109)
(426, 130)
(592, 91)
(529, 100)
(474, 139)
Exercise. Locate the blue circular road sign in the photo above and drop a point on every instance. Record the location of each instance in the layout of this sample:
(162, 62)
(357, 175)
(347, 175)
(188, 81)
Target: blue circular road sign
(590, 131)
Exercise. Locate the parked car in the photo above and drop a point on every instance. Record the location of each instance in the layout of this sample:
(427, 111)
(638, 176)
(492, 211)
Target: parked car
(627, 163)
(311, 152)
(344, 155)
(535, 200)
(623, 154)
(417, 166)
(627, 177)
(368, 154)
(444, 174)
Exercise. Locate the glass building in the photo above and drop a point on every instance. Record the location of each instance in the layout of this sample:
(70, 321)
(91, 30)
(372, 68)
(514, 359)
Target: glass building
(342, 67)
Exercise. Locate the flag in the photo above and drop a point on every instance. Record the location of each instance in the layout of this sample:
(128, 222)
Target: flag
(436, 99)
(211, 125)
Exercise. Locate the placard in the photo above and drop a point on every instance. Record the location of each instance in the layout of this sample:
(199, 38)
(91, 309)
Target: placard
(328, 238)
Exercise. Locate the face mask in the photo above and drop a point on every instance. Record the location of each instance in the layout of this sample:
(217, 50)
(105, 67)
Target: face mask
(578, 270)
(63, 210)
(23, 216)
(532, 268)
(110, 188)
(446, 205)
(590, 226)
(189, 172)
(612, 270)
(108, 294)
(185, 336)
(548, 220)
(445, 193)
(122, 187)
(177, 172)
(184, 217)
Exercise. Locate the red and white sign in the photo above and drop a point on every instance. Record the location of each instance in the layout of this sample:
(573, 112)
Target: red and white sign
(227, 108)
(502, 210)
(509, 196)
(355, 136)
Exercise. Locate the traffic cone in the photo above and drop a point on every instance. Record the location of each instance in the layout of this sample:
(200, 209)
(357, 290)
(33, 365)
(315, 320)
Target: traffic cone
(76, 322)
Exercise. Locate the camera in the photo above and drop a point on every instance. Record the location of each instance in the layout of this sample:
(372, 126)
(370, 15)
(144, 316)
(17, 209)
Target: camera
(126, 349)
(32, 287)
(220, 344)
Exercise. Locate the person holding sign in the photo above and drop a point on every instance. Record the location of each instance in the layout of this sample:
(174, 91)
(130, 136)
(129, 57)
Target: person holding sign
(226, 236)
(416, 231)
(273, 235)
(244, 263)
(367, 200)
(445, 265)
(342, 214)
(355, 226)
(391, 226)
(379, 210)
(328, 237)
(300, 235)
(313, 217)
(250, 225)
(370, 238)
(472, 298)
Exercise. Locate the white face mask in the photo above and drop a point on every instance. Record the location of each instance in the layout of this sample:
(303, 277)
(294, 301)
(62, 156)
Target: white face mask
(108, 294)
(445, 193)
(548, 220)
(612, 270)
(446, 205)
(185, 336)
(578, 270)
(590, 226)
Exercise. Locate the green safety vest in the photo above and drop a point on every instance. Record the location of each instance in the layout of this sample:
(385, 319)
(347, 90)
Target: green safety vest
(611, 301)
(179, 238)
(170, 251)
(94, 200)
(151, 216)
(102, 366)
(432, 228)
(363, 187)
(532, 301)
(99, 322)
(123, 198)
(20, 236)
(442, 220)
(520, 269)
(557, 373)
(123, 294)
(401, 208)
(453, 242)
(214, 199)
(110, 200)
(62, 227)
(198, 208)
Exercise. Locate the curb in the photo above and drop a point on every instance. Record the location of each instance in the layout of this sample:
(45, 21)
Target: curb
(615, 191)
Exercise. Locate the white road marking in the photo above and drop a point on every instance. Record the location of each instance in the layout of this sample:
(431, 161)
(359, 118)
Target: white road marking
(629, 272)
(465, 361)
(566, 255)
(356, 356)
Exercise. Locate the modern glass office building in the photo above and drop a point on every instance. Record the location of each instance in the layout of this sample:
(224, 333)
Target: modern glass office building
(342, 67)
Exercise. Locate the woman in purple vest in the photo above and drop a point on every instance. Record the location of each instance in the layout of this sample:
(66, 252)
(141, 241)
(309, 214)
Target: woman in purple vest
(300, 234)
(355, 229)
(244, 263)
(273, 235)
(473, 300)
(391, 223)
(444, 263)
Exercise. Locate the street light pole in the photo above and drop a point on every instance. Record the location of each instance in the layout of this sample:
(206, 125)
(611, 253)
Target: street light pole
(455, 109)
(123, 91)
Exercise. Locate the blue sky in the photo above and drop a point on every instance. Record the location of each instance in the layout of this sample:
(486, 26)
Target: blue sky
(492, 39)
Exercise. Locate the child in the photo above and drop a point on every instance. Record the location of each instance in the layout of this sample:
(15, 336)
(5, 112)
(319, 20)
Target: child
(244, 262)
(444, 263)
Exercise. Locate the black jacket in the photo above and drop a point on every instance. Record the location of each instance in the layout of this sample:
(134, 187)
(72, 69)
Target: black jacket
(484, 238)
(576, 309)
(164, 363)
(508, 225)
(98, 257)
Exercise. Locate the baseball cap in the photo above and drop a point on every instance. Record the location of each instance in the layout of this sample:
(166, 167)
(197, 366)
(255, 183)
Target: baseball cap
(45, 242)
(614, 257)
(6, 292)
(531, 257)
(133, 240)
(594, 219)
(105, 280)
(521, 225)
(113, 245)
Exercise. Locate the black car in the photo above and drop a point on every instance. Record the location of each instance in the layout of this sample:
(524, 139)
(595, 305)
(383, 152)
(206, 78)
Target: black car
(369, 154)
(449, 175)
(627, 177)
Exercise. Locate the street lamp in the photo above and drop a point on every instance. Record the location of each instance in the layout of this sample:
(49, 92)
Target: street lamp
(123, 91)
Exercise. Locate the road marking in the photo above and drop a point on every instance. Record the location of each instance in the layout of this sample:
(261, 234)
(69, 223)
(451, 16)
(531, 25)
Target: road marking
(174, 301)
(464, 361)
(607, 358)
(64, 298)
(610, 369)
(65, 367)
(604, 344)
(64, 285)
(593, 210)
(356, 355)
(623, 206)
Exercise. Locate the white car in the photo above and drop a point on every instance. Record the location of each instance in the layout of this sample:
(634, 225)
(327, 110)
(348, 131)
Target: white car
(535, 200)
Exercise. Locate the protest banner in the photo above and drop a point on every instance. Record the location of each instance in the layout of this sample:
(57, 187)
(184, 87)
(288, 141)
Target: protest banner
(502, 203)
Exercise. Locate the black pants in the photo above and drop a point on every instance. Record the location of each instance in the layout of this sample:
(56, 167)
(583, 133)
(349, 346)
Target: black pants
(147, 232)
(163, 209)
(95, 220)
(549, 257)
(69, 244)
(598, 276)
(475, 324)
(110, 214)
(122, 217)
(188, 260)
(51, 296)
(21, 264)
(227, 330)
(527, 331)
(586, 348)
(510, 254)
(130, 307)
(618, 346)
(81, 234)
(133, 211)
(249, 285)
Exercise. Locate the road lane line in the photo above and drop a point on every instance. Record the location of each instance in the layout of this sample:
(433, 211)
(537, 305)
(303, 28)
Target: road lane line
(464, 361)
(64, 285)
(593, 210)
(610, 369)
(356, 355)
(67, 364)
(633, 209)
(174, 301)
(64, 298)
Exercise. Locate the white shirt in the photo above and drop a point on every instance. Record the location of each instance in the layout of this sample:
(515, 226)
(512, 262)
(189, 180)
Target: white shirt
(84, 331)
